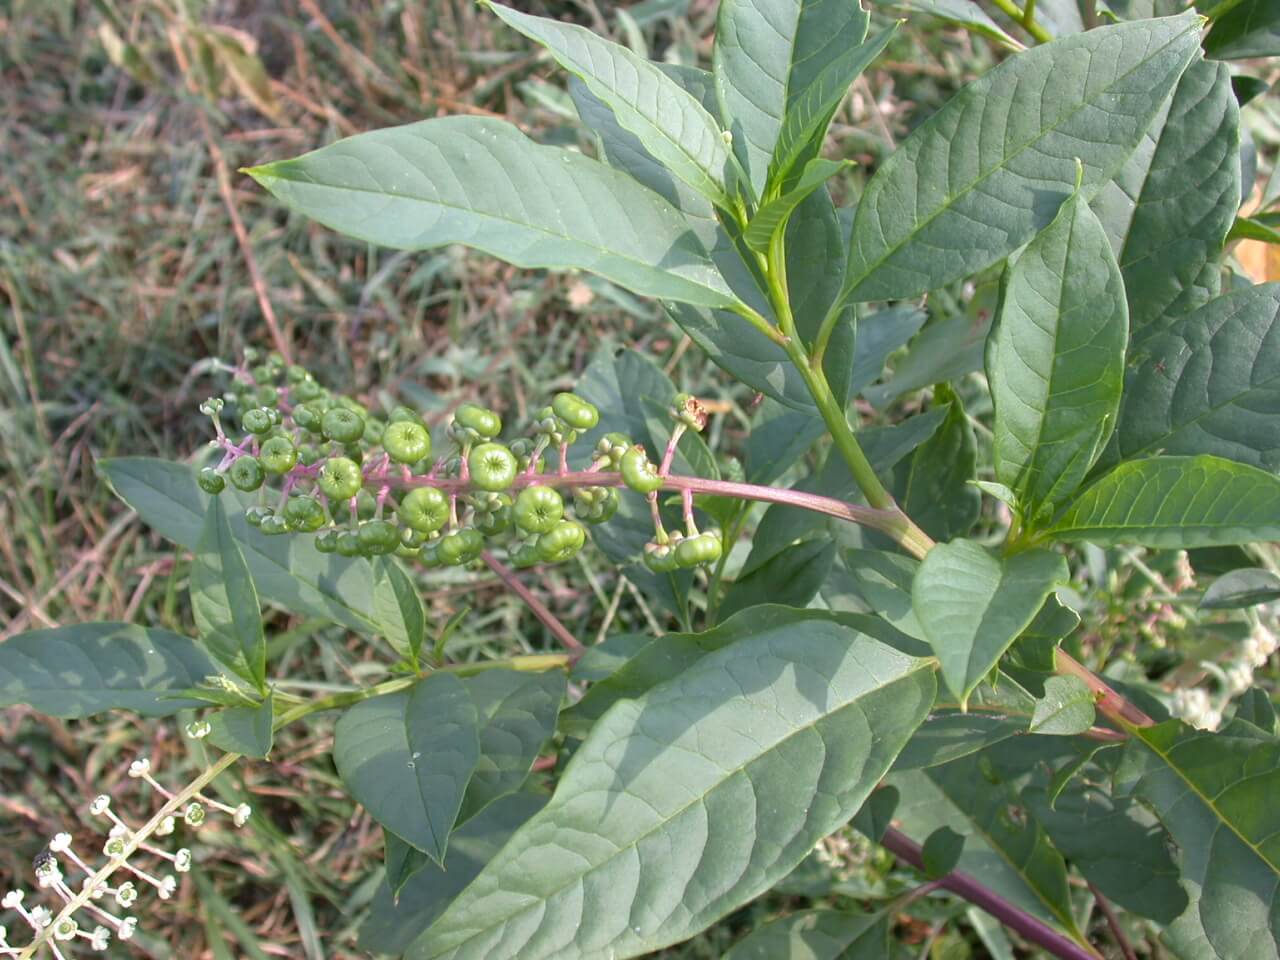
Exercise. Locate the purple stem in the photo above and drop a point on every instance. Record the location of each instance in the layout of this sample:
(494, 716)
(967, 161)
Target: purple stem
(549, 619)
(966, 887)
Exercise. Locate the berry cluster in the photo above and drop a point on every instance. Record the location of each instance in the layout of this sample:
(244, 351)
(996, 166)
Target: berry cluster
(368, 485)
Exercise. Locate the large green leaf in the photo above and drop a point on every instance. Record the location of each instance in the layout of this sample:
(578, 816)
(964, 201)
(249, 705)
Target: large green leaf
(247, 730)
(1209, 382)
(669, 121)
(959, 13)
(933, 487)
(690, 800)
(995, 712)
(398, 915)
(1215, 793)
(408, 757)
(972, 605)
(793, 576)
(1175, 502)
(286, 570)
(89, 668)
(1250, 28)
(483, 183)
(817, 935)
(1170, 206)
(1004, 849)
(1055, 358)
(977, 179)
(224, 601)
(769, 57)
(516, 714)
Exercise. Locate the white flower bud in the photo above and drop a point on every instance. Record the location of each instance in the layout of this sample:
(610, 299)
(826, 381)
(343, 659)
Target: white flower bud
(199, 729)
(139, 768)
(12, 900)
(165, 828)
(41, 917)
(166, 888)
(1239, 678)
(100, 939)
(127, 926)
(60, 843)
(101, 803)
(242, 815)
(182, 860)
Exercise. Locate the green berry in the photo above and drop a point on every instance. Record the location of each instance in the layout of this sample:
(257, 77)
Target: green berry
(296, 374)
(305, 514)
(692, 551)
(424, 509)
(307, 390)
(460, 547)
(492, 466)
(378, 537)
(538, 509)
(278, 455)
(495, 516)
(405, 415)
(340, 479)
(308, 454)
(575, 411)
(406, 442)
(211, 481)
(525, 555)
(327, 542)
(637, 472)
(267, 396)
(366, 507)
(349, 544)
(429, 553)
(255, 516)
(659, 557)
(613, 446)
(257, 420)
(485, 423)
(596, 504)
(273, 526)
(309, 416)
(523, 449)
(246, 474)
(373, 431)
(562, 541)
(342, 425)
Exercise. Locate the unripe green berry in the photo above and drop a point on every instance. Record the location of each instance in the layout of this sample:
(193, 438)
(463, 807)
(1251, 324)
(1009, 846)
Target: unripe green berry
(305, 514)
(373, 430)
(366, 507)
(637, 472)
(342, 425)
(340, 479)
(575, 411)
(495, 517)
(613, 446)
(378, 537)
(308, 454)
(327, 541)
(307, 390)
(704, 548)
(349, 544)
(459, 547)
(296, 374)
(562, 541)
(278, 455)
(246, 474)
(273, 526)
(405, 415)
(595, 504)
(424, 509)
(309, 416)
(406, 441)
(538, 509)
(211, 481)
(525, 555)
(254, 516)
(485, 423)
(267, 396)
(492, 466)
(257, 420)
(659, 557)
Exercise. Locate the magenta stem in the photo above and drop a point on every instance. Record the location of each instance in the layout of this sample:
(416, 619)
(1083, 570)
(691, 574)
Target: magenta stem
(548, 619)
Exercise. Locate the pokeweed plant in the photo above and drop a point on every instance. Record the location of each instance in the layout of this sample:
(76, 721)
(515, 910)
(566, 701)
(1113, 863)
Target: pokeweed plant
(895, 651)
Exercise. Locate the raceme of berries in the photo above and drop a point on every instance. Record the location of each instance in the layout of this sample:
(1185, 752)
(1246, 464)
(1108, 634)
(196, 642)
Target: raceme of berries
(95, 888)
(367, 485)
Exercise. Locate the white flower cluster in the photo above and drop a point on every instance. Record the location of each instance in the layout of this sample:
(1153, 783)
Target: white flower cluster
(1259, 646)
(94, 911)
(1193, 705)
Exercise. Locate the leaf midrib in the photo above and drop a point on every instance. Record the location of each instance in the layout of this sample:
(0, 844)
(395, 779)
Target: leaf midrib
(1008, 158)
(919, 664)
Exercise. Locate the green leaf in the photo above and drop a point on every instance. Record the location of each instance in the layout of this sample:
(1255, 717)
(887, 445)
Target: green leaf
(288, 571)
(997, 711)
(959, 13)
(972, 605)
(1241, 588)
(1255, 706)
(400, 914)
(983, 174)
(1175, 502)
(408, 607)
(770, 57)
(672, 805)
(1170, 206)
(516, 714)
(883, 581)
(224, 601)
(817, 935)
(1252, 228)
(941, 852)
(673, 126)
(933, 487)
(1055, 358)
(876, 815)
(774, 215)
(1004, 849)
(1214, 793)
(1250, 28)
(483, 183)
(792, 577)
(879, 335)
(246, 730)
(89, 668)
(944, 350)
(1208, 382)
(407, 758)
(1066, 708)
(1116, 843)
